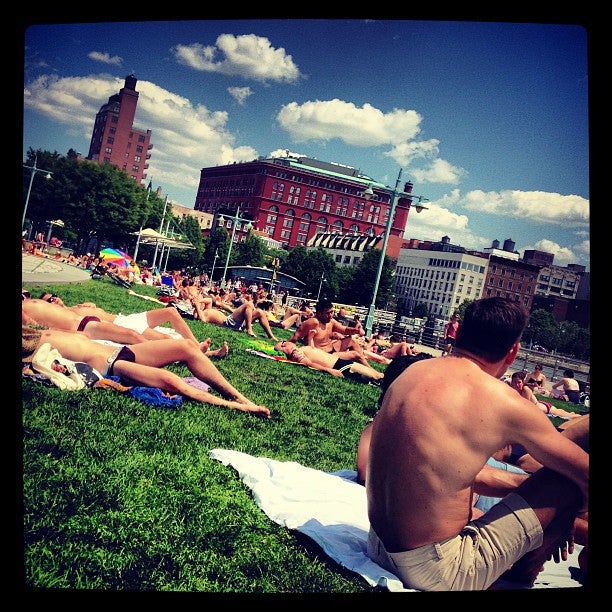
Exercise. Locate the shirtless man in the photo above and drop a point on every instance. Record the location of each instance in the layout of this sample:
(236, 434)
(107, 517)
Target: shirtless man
(330, 335)
(326, 362)
(144, 364)
(141, 326)
(421, 479)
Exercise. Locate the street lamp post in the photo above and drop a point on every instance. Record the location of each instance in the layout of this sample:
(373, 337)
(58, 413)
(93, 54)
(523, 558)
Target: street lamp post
(320, 285)
(33, 169)
(161, 225)
(212, 272)
(395, 195)
(235, 219)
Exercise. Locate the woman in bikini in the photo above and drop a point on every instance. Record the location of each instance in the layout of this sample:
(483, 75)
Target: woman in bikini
(517, 382)
(144, 364)
(536, 380)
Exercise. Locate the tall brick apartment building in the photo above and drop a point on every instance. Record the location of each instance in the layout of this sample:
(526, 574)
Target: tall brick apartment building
(115, 140)
(291, 199)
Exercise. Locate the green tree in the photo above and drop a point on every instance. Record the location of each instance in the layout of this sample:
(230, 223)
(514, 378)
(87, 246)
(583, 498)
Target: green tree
(95, 201)
(364, 277)
(251, 252)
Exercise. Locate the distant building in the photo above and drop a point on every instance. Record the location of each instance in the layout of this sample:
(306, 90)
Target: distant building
(291, 199)
(204, 219)
(440, 279)
(115, 140)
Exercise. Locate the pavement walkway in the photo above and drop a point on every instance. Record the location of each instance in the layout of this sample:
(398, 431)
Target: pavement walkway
(42, 271)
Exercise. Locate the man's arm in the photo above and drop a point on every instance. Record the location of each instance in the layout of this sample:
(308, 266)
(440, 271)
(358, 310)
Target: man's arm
(347, 330)
(303, 330)
(495, 482)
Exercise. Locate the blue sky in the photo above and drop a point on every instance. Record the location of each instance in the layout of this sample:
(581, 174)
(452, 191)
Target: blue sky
(488, 120)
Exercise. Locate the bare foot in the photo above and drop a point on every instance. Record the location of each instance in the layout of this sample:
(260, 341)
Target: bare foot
(220, 352)
(205, 346)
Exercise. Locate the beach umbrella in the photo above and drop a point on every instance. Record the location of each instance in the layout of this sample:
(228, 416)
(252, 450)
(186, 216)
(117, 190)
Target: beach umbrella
(119, 258)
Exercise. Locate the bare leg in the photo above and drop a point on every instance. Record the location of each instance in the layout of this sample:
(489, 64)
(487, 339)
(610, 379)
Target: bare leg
(556, 501)
(102, 330)
(265, 323)
(367, 371)
(168, 381)
(244, 314)
(160, 353)
(159, 316)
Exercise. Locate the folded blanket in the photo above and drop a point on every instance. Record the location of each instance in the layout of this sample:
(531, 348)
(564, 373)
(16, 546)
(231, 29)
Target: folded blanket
(331, 509)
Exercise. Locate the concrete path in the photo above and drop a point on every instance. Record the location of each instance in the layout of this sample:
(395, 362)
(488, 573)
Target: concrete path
(42, 271)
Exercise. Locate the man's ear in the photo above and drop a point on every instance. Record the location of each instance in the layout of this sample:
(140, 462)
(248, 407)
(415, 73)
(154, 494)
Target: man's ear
(512, 353)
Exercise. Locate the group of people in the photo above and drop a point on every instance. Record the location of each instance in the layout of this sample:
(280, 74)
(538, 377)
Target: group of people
(428, 457)
(135, 348)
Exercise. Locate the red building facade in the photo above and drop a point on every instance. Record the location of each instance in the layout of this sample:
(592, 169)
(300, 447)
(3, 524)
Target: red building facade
(293, 198)
(114, 139)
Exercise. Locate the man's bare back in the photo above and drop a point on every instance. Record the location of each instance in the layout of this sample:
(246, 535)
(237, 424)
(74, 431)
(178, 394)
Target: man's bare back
(429, 484)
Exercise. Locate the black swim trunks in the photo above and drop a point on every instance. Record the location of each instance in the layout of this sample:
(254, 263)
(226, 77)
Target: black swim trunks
(343, 364)
(85, 321)
(123, 353)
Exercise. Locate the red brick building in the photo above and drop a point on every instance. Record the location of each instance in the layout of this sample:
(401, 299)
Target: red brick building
(291, 199)
(115, 140)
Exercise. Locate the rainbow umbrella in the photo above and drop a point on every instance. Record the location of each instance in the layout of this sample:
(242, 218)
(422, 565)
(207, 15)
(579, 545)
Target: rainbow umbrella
(119, 258)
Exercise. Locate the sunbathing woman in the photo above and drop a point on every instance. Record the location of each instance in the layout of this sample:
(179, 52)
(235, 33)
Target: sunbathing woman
(145, 325)
(143, 364)
(517, 382)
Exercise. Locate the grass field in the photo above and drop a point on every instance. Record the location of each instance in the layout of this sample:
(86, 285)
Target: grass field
(119, 495)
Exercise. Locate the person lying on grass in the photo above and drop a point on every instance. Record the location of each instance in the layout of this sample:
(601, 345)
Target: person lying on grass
(144, 364)
(98, 324)
(326, 362)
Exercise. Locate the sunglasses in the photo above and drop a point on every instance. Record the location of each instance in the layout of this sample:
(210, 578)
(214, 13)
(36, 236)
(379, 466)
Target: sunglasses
(25, 295)
(52, 298)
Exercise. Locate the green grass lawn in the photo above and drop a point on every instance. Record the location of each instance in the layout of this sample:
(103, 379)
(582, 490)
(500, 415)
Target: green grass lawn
(120, 495)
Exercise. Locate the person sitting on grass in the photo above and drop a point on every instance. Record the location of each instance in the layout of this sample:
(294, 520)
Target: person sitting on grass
(567, 388)
(536, 380)
(438, 425)
(517, 382)
(144, 364)
(241, 319)
(326, 362)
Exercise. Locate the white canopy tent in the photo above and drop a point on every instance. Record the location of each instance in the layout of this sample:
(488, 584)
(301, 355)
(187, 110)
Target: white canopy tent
(150, 236)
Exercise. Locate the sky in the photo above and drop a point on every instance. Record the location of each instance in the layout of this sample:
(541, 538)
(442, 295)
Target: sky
(488, 120)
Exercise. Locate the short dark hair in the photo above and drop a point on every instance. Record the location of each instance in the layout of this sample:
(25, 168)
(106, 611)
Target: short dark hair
(324, 304)
(490, 327)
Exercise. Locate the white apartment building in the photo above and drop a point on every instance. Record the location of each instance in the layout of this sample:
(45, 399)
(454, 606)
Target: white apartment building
(441, 280)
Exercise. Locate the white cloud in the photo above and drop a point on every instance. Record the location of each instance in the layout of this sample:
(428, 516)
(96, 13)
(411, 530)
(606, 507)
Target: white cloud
(248, 56)
(367, 126)
(363, 126)
(539, 206)
(240, 94)
(105, 58)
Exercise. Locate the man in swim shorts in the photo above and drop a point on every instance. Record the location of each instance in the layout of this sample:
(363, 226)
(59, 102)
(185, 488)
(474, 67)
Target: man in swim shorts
(324, 332)
(421, 479)
(326, 362)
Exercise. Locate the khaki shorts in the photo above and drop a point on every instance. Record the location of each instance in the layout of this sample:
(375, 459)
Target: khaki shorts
(474, 559)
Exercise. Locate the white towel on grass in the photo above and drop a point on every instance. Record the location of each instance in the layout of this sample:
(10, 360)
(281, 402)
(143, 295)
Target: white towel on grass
(331, 509)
